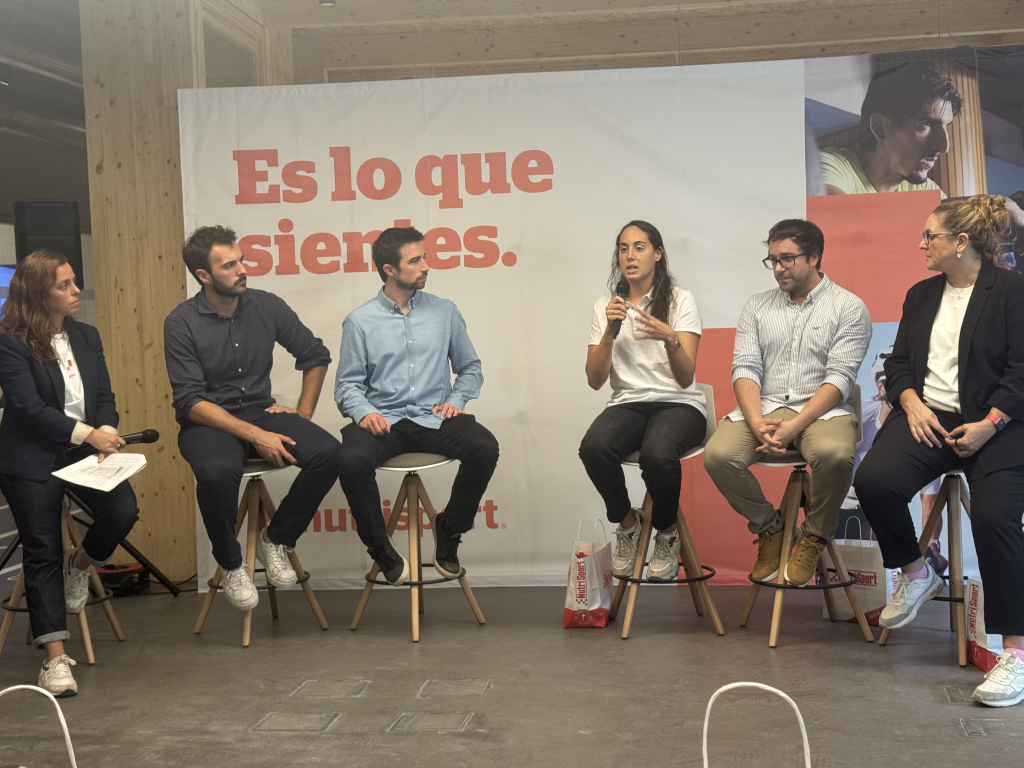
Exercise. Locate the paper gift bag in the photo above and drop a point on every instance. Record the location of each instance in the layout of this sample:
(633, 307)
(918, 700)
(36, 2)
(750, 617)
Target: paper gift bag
(875, 582)
(588, 594)
(983, 649)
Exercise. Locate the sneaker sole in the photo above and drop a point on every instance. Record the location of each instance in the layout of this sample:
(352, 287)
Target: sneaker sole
(74, 610)
(773, 575)
(274, 582)
(785, 573)
(936, 590)
(248, 606)
(403, 578)
(67, 693)
(1006, 703)
(666, 577)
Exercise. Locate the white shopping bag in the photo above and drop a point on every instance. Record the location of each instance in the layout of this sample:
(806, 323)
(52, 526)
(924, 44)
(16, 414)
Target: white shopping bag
(875, 582)
(983, 649)
(588, 594)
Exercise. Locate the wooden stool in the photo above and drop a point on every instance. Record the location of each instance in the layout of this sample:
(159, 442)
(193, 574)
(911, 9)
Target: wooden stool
(71, 538)
(696, 577)
(257, 505)
(412, 493)
(798, 491)
(952, 494)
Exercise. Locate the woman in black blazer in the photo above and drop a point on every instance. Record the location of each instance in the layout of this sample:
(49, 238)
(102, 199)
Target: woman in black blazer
(57, 391)
(956, 382)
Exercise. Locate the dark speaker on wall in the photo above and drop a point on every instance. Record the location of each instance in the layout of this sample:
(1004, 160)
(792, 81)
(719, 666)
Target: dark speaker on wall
(51, 225)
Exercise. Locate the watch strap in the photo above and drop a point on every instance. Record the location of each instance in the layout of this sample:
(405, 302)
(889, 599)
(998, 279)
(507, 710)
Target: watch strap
(996, 421)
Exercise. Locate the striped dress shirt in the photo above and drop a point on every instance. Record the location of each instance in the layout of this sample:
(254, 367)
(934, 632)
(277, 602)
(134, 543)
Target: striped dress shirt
(790, 350)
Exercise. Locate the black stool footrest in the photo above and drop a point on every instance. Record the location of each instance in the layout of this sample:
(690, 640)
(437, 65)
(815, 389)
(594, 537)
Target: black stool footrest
(261, 587)
(709, 572)
(775, 585)
(425, 582)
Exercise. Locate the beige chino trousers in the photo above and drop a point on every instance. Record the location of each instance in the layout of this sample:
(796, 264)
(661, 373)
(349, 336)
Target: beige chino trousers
(828, 446)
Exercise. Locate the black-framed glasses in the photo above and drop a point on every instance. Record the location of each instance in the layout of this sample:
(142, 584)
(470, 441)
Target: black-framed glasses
(786, 261)
(929, 236)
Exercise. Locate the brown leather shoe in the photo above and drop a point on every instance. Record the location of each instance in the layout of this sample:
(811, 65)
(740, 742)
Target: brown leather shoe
(769, 551)
(800, 568)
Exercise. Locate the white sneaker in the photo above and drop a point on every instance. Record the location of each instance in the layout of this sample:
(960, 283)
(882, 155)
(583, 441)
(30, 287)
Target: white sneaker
(76, 584)
(908, 599)
(239, 589)
(1004, 684)
(274, 557)
(626, 541)
(55, 677)
(664, 565)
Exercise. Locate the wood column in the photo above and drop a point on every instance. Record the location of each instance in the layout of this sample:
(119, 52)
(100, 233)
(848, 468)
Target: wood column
(135, 55)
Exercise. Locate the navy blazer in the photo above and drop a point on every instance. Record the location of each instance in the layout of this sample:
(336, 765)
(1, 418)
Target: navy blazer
(990, 361)
(35, 432)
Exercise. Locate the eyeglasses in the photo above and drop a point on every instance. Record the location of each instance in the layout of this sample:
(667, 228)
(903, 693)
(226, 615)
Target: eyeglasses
(786, 261)
(929, 236)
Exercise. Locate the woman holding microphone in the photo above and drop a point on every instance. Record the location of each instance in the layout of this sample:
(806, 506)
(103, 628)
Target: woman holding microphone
(655, 406)
(57, 391)
(956, 382)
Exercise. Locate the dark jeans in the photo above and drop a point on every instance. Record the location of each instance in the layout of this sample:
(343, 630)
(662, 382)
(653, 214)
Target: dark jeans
(662, 432)
(459, 437)
(36, 506)
(217, 458)
(897, 467)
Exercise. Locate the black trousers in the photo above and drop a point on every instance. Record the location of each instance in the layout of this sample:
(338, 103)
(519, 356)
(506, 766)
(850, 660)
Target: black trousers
(216, 459)
(459, 437)
(662, 432)
(897, 467)
(36, 506)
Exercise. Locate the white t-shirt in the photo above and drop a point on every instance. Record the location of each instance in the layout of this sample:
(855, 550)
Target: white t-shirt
(640, 368)
(942, 379)
(74, 390)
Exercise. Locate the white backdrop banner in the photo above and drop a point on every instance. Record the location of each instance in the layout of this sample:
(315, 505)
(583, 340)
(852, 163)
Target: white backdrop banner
(520, 184)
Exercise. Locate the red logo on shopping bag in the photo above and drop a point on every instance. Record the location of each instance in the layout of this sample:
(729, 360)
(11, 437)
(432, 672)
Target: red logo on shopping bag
(581, 582)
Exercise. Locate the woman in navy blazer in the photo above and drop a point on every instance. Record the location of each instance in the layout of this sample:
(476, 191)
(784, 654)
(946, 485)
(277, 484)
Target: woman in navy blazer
(956, 382)
(57, 392)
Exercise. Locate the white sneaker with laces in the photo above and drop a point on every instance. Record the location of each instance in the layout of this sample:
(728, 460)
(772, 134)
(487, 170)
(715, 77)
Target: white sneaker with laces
(55, 676)
(1004, 683)
(908, 599)
(239, 589)
(626, 541)
(664, 565)
(76, 583)
(274, 557)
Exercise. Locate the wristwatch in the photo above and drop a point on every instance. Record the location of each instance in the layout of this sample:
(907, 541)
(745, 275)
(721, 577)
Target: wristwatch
(998, 423)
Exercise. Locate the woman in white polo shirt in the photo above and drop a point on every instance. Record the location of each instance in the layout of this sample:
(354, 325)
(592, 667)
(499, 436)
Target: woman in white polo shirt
(655, 406)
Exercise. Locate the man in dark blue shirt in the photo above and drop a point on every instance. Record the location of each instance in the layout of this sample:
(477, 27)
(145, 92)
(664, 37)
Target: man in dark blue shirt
(219, 348)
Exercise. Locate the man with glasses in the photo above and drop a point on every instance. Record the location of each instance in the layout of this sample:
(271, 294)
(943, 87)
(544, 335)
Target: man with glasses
(795, 361)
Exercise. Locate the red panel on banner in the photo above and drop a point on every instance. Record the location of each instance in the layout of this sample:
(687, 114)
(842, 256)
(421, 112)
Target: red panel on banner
(871, 245)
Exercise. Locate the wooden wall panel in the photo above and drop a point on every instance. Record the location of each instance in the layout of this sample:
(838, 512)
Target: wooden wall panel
(135, 57)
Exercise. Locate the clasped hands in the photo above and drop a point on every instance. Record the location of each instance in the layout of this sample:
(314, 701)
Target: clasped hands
(965, 440)
(775, 435)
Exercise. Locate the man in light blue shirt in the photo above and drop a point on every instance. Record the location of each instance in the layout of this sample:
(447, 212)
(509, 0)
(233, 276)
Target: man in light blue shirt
(398, 352)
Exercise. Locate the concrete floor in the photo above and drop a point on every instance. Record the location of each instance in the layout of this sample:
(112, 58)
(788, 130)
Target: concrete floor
(531, 693)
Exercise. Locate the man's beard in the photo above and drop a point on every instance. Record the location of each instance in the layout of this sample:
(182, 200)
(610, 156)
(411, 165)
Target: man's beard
(229, 290)
(415, 286)
(916, 177)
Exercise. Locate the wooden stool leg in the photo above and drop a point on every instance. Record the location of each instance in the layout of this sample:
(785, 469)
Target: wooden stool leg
(748, 606)
(94, 578)
(252, 493)
(419, 537)
(638, 565)
(413, 521)
(791, 501)
(266, 505)
(243, 506)
(830, 605)
(5, 627)
(844, 575)
(620, 590)
(956, 572)
(396, 510)
(686, 558)
(691, 552)
(83, 625)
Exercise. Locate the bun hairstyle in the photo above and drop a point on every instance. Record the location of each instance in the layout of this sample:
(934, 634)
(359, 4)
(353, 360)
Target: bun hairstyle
(983, 218)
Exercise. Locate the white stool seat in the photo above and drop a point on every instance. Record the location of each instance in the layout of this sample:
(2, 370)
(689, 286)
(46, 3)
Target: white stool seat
(790, 458)
(257, 467)
(415, 462)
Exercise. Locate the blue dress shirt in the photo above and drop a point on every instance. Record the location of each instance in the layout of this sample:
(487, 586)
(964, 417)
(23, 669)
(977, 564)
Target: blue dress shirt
(401, 365)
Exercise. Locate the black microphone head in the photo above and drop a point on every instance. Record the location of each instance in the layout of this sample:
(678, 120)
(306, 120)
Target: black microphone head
(622, 288)
(150, 435)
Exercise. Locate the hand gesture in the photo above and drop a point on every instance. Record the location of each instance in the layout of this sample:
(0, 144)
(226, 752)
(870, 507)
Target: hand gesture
(278, 408)
(968, 439)
(375, 424)
(924, 424)
(446, 411)
(649, 327)
(104, 442)
(273, 447)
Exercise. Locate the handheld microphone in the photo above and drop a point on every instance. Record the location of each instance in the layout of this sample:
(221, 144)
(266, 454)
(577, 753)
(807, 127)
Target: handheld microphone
(145, 436)
(622, 290)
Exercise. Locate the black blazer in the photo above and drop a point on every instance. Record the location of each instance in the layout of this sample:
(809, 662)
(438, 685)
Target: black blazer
(34, 431)
(991, 356)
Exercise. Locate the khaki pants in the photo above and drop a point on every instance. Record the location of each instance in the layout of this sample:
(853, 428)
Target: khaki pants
(827, 445)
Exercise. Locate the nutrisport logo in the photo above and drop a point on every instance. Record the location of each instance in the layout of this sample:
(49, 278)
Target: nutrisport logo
(341, 519)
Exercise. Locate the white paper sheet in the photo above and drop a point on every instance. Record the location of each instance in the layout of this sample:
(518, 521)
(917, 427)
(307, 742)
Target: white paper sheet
(105, 476)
